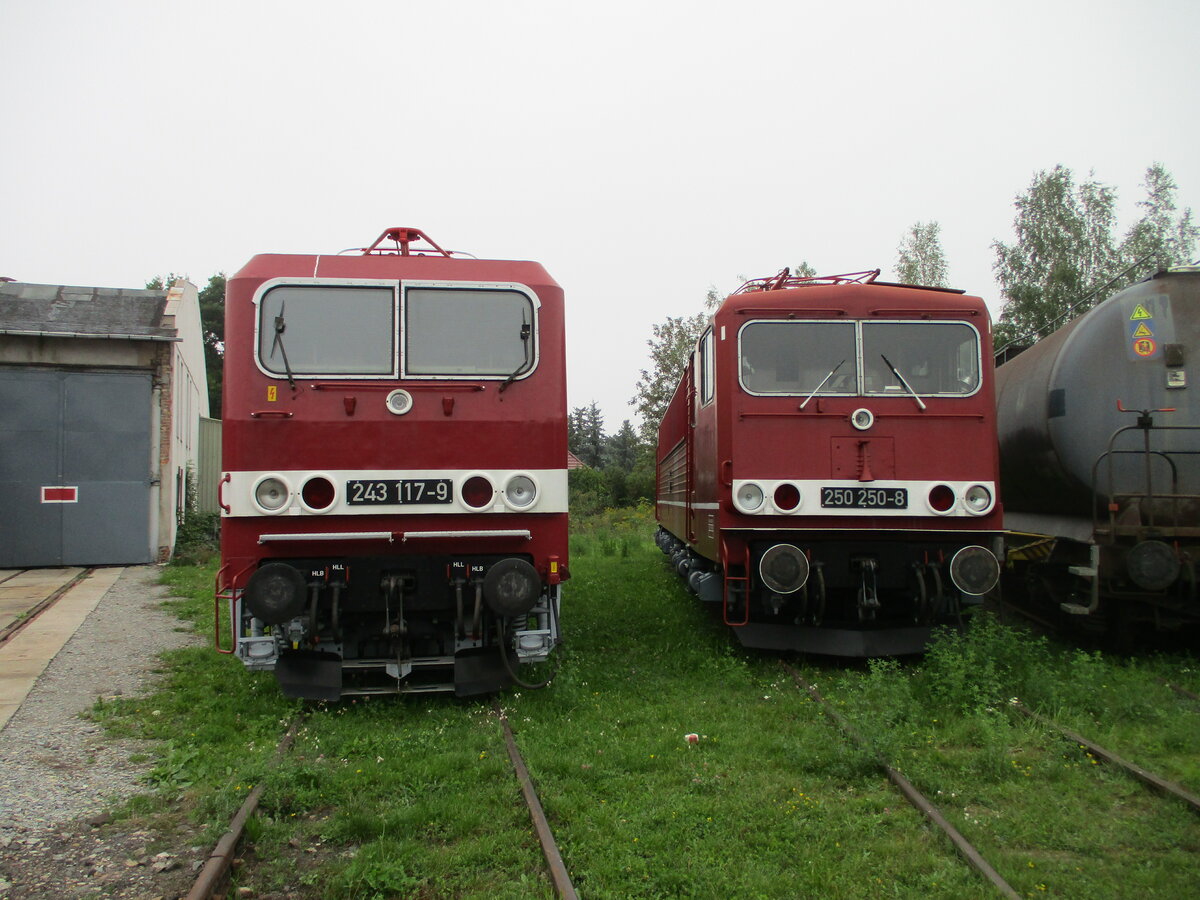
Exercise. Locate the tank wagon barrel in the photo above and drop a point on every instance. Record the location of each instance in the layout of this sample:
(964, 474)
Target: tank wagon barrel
(1100, 456)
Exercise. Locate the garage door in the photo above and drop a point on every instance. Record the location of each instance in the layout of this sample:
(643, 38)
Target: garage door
(74, 468)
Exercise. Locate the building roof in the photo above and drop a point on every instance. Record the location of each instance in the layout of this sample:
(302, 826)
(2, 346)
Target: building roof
(55, 310)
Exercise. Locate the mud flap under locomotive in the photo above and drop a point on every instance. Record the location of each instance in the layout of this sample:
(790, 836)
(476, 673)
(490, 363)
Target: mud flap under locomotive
(461, 625)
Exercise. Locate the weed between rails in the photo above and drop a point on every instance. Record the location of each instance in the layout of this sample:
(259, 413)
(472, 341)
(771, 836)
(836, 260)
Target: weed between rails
(413, 797)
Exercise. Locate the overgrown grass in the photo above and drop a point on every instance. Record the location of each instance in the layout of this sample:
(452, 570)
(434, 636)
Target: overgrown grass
(413, 797)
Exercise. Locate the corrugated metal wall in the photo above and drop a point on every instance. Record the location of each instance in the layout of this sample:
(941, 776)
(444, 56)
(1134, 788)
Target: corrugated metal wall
(209, 473)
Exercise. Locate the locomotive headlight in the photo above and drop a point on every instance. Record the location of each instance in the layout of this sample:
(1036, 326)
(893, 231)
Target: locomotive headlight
(941, 498)
(784, 568)
(318, 494)
(271, 494)
(786, 498)
(974, 570)
(520, 491)
(477, 492)
(978, 499)
(862, 419)
(748, 498)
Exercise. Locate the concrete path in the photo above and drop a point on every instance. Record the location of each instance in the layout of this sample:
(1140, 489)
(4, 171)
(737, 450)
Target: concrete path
(24, 656)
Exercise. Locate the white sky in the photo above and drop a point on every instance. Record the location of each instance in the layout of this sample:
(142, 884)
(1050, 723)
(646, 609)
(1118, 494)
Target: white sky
(642, 152)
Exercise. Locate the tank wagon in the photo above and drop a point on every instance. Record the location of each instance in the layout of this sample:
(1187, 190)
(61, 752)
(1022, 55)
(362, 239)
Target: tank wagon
(394, 505)
(827, 467)
(1099, 443)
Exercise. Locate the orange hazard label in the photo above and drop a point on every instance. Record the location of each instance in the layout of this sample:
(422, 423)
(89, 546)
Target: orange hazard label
(1144, 346)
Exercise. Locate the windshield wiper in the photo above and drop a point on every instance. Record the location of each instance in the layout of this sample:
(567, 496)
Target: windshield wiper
(280, 327)
(900, 378)
(832, 372)
(526, 362)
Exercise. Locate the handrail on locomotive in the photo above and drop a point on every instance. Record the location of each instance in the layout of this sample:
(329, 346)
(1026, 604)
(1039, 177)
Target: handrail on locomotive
(402, 236)
(785, 279)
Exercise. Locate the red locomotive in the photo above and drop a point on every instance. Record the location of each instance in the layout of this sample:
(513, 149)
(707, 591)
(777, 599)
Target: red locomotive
(827, 467)
(394, 505)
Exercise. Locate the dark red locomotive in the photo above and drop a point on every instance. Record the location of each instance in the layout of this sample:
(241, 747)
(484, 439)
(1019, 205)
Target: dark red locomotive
(827, 467)
(394, 505)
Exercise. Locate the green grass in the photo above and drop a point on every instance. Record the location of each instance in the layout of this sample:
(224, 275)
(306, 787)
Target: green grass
(414, 797)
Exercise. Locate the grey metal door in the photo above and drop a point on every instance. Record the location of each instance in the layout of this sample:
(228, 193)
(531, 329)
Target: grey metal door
(74, 467)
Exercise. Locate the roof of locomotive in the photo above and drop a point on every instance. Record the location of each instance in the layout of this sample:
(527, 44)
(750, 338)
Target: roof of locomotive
(857, 295)
(286, 265)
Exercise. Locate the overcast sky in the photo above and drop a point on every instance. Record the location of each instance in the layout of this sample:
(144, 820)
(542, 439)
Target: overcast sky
(643, 152)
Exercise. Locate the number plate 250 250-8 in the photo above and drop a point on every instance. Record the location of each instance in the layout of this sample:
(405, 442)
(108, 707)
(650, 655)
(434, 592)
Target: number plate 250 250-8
(864, 498)
(399, 491)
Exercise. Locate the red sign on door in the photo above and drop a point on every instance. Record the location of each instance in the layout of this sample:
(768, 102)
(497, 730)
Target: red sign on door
(60, 494)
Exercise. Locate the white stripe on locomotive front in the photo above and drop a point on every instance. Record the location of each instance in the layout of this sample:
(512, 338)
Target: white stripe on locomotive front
(238, 492)
(810, 498)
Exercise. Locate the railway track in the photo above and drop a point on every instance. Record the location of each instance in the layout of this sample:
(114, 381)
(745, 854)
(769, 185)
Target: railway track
(214, 875)
(39, 607)
(962, 845)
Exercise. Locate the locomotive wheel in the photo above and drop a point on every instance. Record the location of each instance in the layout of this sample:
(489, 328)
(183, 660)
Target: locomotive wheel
(818, 596)
(921, 598)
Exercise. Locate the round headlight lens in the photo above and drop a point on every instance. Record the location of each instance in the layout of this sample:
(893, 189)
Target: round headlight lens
(520, 491)
(749, 497)
(862, 419)
(787, 497)
(941, 498)
(978, 498)
(272, 493)
(477, 492)
(318, 493)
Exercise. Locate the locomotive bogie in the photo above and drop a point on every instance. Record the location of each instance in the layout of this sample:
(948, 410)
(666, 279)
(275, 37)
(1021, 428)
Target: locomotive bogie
(383, 615)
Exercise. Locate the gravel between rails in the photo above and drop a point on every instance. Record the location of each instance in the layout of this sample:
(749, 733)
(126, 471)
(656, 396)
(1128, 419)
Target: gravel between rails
(60, 773)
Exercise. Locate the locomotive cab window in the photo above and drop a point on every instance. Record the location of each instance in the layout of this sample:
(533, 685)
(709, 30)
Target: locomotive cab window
(707, 379)
(470, 332)
(798, 358)
(930, 358)
(327, 329)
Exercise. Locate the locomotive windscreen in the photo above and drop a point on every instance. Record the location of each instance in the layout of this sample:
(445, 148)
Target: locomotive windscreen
(933, 357)
(801, 358)
(795, 357)
(467, 332)
(327, 330)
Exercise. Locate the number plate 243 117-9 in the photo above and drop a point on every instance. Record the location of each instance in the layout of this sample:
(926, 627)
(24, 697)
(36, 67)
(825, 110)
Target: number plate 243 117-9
(399, 491)
(864, 498)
